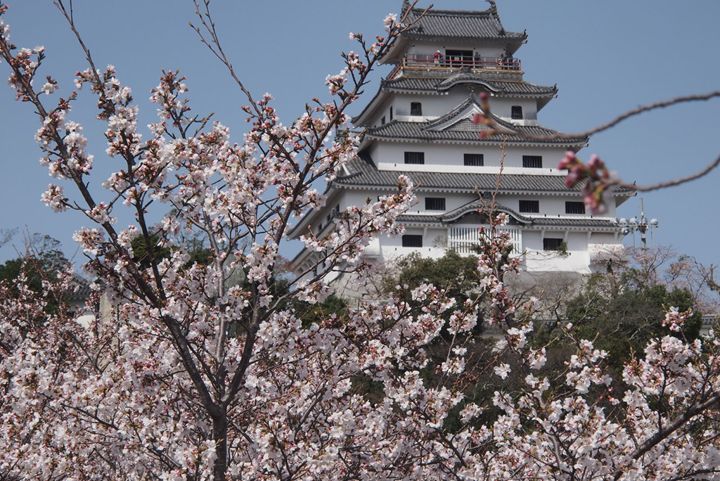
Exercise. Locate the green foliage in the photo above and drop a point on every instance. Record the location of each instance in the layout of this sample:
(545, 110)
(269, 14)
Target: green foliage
(198, 253)
(311, 313)
(43, 261)
(624, 318)
(456, 274)
(11, 270)
(194, 247)
(145, 252)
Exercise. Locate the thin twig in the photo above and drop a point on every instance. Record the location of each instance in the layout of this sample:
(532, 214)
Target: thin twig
(674, 182)
(627, 115)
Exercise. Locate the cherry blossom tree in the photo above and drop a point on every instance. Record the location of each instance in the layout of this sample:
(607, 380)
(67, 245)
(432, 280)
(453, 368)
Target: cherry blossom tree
(203, 370)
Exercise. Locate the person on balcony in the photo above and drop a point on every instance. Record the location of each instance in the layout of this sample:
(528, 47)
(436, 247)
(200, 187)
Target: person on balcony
(437, 57)
(501, 60)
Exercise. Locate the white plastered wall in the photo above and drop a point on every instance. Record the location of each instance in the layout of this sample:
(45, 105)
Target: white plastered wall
(449, 158)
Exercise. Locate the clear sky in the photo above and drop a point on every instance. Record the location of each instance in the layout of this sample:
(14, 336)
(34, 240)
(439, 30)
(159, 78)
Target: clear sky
(606, 57)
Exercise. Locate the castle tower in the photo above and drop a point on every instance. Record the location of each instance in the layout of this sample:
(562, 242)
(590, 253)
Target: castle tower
(420, 123)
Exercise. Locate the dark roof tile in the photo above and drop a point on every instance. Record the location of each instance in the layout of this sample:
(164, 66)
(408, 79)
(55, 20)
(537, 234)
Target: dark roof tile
(364, 173)
(465, 131)
(458, 24)
(534, 222)
(499, 87)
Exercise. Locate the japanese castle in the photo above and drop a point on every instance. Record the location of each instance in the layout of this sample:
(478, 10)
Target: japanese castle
(420, 124)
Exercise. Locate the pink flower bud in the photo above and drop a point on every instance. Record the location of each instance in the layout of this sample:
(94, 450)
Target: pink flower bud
(567, 161)
(571, 179)
(595, 163)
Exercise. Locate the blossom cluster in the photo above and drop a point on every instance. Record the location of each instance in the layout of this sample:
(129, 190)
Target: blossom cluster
(595, 177)
(198, 363)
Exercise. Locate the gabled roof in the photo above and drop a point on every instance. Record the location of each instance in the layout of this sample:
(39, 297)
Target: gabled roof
(362, 173)
(456, 126)
(433, 85)
(465, 131)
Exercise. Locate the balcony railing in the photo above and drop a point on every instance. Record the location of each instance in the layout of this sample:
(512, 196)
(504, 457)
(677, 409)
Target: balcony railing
(460, 62)
(464, 239)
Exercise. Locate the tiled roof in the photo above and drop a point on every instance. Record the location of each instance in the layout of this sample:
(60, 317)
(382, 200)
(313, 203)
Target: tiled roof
(576, 222)
(465, 131)
(535, 222)
(364, 173)
(458, 24)
(498, 87)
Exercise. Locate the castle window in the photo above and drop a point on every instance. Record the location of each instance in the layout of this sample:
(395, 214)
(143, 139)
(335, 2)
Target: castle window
(552, 244)
(391, 113)
(574, 207)
(532, 161)
(459, 58)
(382, 121)
(434, 203)
(409, 240)
(415, 108)
(414, 157)
(530, 206)
(474, 160)
(516, 112)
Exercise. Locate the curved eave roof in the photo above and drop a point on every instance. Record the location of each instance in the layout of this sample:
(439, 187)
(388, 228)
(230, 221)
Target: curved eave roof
(457, 24)
(475, 206)
(443, 84)
(537, 223)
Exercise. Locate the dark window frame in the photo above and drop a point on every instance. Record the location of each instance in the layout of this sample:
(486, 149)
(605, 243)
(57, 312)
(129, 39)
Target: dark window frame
(574, 207)
(469, 162)
(529, 206)
(516, 112)
(391, 113)
(414, 158)
(412, 240)
(435, 203)
(553, 243)
(416, 109)
(532, 161)
(459, 57)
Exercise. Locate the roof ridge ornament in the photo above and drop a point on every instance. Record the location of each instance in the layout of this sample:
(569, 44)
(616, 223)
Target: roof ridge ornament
(405, 7)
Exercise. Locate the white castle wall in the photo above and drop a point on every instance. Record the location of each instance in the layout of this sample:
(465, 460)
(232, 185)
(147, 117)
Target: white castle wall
(449, 158)
(552, 206)
(434, 106)
(535, 259)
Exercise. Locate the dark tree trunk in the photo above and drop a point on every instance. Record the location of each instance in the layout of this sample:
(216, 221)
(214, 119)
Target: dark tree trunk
(220, 438)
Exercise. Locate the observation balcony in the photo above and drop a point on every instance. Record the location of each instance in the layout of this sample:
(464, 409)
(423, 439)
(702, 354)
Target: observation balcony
(465, 238)
(457, 63)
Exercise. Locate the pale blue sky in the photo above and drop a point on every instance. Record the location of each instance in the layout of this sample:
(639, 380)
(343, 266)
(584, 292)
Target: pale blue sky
(606, 57)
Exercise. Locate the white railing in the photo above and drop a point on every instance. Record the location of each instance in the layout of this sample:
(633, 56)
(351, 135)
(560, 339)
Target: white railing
(438, 60)
(464, 239)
